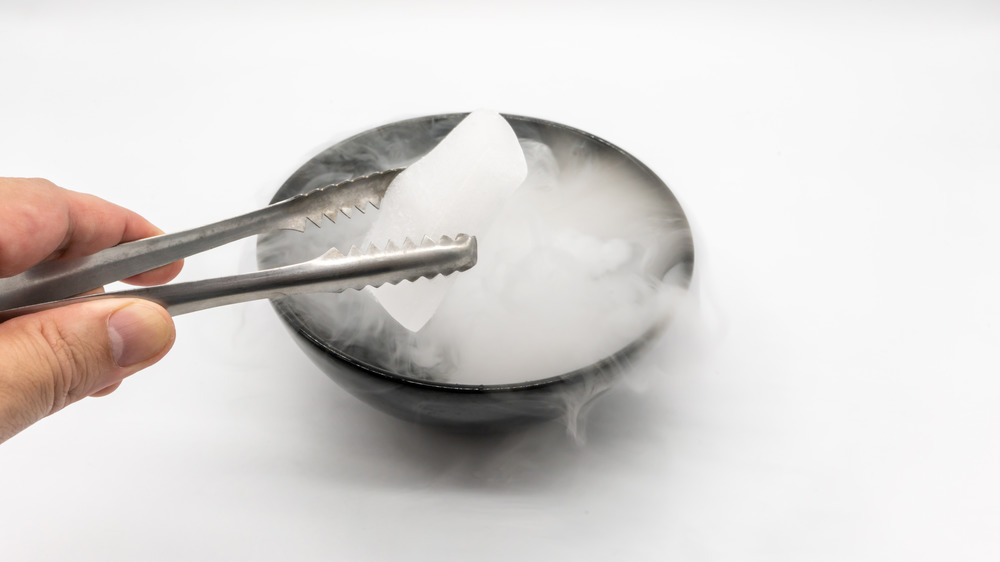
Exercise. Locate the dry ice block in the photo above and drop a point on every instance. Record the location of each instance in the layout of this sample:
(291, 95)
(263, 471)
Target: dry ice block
(456, 188)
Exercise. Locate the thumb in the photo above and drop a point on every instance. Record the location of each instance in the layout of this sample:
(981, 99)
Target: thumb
(56, 357)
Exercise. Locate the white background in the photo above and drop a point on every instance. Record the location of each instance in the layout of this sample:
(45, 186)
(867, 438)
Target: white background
(830, 394)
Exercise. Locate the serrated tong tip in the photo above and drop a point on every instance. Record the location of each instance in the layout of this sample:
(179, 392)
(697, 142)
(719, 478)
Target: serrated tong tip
(340, 199)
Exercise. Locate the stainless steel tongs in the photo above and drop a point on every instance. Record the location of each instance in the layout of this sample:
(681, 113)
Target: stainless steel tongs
(53, 284)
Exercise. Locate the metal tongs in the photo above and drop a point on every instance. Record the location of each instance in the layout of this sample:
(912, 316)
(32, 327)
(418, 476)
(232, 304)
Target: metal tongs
(53, 284)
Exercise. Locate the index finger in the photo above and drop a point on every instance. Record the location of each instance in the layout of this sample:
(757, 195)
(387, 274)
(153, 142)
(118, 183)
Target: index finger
(40, 221)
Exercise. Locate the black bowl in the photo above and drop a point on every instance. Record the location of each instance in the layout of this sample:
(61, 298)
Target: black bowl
(368, 375)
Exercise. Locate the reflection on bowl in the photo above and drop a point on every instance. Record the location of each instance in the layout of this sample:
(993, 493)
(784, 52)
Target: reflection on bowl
(329, 327)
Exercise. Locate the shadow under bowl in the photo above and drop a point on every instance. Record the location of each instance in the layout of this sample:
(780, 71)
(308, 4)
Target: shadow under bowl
(363, 370)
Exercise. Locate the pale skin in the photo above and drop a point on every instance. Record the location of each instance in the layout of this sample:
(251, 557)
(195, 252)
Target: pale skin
(51, 359)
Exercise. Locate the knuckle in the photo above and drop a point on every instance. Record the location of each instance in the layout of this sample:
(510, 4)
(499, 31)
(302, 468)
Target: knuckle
(67, 358)
(62, 360)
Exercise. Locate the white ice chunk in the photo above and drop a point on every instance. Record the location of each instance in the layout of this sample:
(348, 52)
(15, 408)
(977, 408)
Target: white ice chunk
(458, 187)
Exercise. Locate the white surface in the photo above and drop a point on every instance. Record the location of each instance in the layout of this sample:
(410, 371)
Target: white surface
(832, 395)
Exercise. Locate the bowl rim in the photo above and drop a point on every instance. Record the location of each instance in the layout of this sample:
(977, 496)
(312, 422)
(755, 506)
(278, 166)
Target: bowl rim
(293, 321)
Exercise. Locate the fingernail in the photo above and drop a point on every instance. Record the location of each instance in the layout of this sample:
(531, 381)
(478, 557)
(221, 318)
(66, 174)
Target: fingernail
(138, 332)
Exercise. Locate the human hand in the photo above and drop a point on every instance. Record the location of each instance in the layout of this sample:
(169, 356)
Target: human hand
(53, 358)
